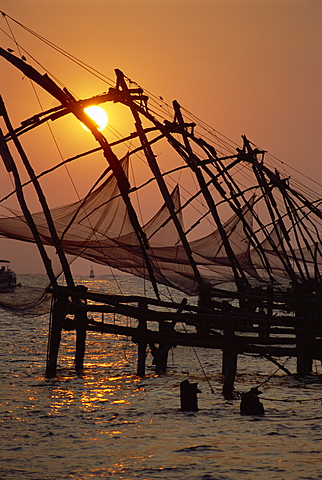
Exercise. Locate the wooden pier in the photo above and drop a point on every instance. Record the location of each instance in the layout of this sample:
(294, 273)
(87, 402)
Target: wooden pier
(270, 334)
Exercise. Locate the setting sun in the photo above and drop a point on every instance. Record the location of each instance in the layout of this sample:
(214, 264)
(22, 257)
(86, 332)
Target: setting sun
(98, 115)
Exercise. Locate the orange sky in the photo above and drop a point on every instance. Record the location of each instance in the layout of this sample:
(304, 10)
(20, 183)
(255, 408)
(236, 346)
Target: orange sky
(245, 67)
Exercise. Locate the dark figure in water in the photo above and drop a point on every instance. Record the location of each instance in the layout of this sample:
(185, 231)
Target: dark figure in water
(250, 404)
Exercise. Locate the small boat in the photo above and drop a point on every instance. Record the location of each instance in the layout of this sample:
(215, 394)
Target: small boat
(91, 273)
(8, 279)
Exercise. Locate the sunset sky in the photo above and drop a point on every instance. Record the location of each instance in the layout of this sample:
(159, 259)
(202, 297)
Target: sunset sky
(243, 66)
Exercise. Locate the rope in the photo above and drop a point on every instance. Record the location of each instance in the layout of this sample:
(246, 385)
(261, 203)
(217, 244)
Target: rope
(284, 399)
(198, 359)
(274, 373)
(290, 401)
(60, 50)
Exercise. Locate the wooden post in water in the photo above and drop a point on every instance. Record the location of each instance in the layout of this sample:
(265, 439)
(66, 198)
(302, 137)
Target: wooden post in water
(58, 315)
(304, 307)
(81, 325)
(229, 362)
(142, 342)
(160, 354)
(304, 355)
(264, 330)
(188, 396)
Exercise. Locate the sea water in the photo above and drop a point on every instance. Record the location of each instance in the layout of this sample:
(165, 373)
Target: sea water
(109, 423)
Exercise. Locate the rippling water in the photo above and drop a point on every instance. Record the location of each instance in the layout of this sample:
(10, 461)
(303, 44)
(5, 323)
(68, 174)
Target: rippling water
(108, 423)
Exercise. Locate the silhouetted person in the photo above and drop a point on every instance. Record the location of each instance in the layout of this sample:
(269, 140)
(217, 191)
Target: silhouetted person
(250, 404)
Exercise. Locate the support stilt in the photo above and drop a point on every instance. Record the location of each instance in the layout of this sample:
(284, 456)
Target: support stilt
(81, 325)
(58, 315)
(229, 363)
(306, 306)
(304, 353)
(142, 344)
(160, 357)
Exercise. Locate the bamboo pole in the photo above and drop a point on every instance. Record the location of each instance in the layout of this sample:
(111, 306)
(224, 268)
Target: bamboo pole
(157, 174)
(77, 108)
(41, 197)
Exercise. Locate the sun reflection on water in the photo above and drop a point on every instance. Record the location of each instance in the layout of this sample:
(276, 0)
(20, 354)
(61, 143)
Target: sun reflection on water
(89, 392)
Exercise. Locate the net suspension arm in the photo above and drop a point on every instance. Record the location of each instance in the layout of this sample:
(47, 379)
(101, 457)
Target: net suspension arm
(42, 199)
(181, 150)
(300, 232)
(11, 167)
(309, 205)
(67, 100)
(273, 210)
(296, 228)
(311, 209)
(124, 187)
(156, 172)
(224, 173)
(277, 181)
(239, 276)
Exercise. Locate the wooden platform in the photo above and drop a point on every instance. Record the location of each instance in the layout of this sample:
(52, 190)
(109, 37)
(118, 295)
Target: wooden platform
(268, 332)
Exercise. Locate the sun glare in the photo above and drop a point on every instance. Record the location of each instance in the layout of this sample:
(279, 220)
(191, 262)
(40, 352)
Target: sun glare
(98, 115)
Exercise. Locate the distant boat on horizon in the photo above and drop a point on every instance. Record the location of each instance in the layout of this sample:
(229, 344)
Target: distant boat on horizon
(91, 273)
(8, 280)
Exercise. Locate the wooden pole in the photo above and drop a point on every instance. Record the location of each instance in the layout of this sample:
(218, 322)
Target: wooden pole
(229, 362)
(305, 306)
(81, 327)
(57, 317)
(11, 167)
(304, 356)
(142, 342)
(41, 197)
(142, 346)
(157, 174)
(160, 356)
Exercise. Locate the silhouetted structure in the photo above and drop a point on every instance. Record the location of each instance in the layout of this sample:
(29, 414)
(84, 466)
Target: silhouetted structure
(250, 404)
(188, 396)
(263, 239)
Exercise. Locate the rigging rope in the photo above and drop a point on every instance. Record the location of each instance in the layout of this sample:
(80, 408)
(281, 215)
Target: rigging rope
(293, 400)
(274, 373)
